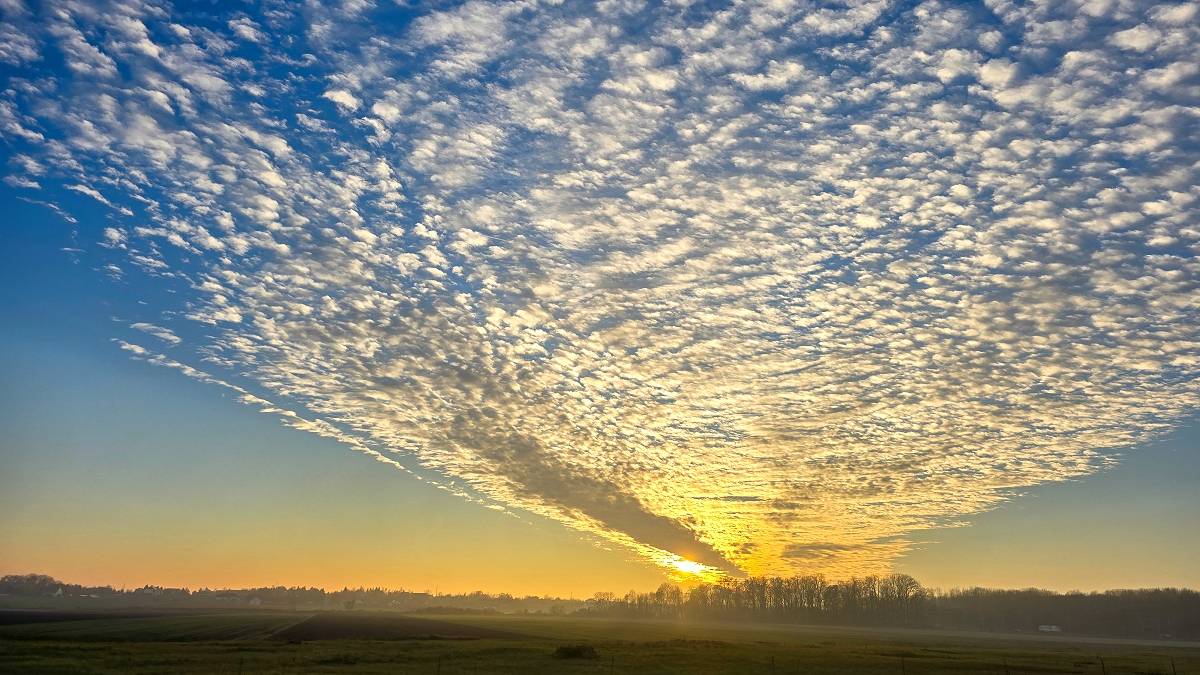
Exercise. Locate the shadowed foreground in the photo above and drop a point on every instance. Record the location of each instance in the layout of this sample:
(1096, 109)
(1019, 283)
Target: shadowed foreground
(248, 642)
(383, 626)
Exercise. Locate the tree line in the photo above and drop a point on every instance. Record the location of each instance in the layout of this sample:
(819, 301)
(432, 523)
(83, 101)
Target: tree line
(890, 600)
(45, 591)
(899, 600)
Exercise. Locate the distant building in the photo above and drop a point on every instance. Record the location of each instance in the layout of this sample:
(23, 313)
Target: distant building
(1049, 628)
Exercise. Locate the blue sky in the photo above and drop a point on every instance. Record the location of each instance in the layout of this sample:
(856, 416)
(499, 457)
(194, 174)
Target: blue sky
(709, 288)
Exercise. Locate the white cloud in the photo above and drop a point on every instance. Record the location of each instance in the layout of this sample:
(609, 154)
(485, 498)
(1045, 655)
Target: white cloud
(343, 98)
(159, 332)
(17, 47)
(777, 76)
(1139, 38)
(246, 29)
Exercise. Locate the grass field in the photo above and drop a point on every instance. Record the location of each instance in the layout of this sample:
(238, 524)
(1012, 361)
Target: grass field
(365, 642)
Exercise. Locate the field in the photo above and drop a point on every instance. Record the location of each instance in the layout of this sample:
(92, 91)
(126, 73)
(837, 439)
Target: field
(369, 642)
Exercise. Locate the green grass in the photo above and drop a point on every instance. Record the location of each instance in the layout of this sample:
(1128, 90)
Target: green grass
(242, 643)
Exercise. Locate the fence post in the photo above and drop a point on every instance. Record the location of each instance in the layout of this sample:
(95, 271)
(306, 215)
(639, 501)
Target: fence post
(1103, 669)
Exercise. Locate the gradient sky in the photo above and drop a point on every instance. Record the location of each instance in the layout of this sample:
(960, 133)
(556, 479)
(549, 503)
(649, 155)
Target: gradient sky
(573, 297)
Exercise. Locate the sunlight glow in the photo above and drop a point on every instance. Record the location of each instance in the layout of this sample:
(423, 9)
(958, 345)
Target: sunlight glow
(688, 566)
(684, 570)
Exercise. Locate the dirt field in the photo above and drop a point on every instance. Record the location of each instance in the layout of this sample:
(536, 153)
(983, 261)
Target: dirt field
(12, 617)
(382, 626)
(379, 642)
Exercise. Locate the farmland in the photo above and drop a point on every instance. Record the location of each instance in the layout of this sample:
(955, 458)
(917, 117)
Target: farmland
(381, 642)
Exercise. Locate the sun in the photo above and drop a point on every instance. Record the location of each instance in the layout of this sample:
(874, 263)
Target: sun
(687, 571)
(689, 567)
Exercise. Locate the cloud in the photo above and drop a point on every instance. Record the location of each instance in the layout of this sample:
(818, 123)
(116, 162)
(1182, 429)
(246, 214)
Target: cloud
(767, 288)
(246, 29)
(159, 332)
(816, 550)
(1138, 38)
(16, 47)
(777, 76)
(343, 98)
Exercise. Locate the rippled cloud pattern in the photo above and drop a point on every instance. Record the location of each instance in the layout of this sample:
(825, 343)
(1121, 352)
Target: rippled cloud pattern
(762, 285)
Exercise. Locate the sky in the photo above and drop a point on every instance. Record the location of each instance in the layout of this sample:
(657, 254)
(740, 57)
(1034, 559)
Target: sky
(561, 297)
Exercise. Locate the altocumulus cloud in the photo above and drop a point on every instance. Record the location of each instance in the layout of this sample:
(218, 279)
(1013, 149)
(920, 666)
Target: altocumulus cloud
(765, 285)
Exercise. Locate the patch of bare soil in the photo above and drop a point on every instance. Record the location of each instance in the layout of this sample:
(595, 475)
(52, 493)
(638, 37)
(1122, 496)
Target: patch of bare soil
(370, 626)
(13, 617)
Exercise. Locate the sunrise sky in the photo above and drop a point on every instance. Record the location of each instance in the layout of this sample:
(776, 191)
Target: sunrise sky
(557, 297)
